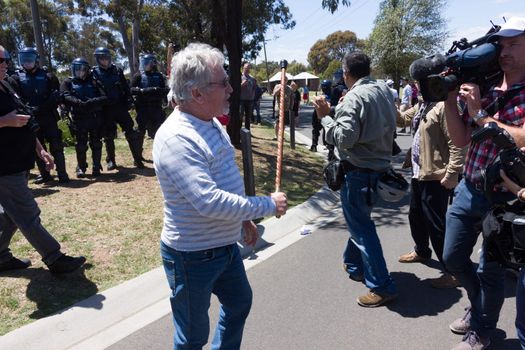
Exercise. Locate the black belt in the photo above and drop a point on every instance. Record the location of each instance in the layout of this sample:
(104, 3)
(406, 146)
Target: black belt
(347, 166)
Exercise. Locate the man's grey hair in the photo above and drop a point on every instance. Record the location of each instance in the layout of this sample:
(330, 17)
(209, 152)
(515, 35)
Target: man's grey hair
(192, 68)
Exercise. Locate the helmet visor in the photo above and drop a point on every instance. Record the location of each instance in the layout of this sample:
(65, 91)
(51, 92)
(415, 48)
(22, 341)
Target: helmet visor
(27, 59)
(103, 60)
(79, 71)
(147, 64)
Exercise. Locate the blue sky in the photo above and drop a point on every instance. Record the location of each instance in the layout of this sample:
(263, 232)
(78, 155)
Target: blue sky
(465, 18)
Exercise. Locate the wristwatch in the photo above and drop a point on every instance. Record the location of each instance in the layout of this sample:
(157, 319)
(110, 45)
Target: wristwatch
(480, 115)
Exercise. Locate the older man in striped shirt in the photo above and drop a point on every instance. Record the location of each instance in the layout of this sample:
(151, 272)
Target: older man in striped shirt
(205, 206)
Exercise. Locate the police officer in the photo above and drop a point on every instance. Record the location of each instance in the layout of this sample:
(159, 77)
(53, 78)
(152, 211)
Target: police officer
(116, 88)
(149, 89)
(40, 89)
(326, 88)
(11, 69)
(338, 88)
(85, 100)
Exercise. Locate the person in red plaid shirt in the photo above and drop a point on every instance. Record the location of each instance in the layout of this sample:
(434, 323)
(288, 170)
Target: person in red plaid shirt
(484, 286)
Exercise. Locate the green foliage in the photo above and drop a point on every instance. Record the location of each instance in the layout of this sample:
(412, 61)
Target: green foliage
(332, 5)
(333, 47)
(295, 67)
(405, 30)
(330, 70)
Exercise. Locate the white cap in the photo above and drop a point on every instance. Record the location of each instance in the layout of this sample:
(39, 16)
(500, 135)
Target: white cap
(513, 27)
(389, 82)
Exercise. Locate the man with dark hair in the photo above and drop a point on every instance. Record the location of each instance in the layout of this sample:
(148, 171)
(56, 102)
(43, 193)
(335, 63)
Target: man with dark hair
(485, 283)
(362, 133)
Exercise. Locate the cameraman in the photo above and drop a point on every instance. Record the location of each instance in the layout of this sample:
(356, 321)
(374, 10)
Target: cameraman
(520, 287)
(18, 208)
(485, 287)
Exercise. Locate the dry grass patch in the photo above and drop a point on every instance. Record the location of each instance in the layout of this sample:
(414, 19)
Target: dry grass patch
(115, 221)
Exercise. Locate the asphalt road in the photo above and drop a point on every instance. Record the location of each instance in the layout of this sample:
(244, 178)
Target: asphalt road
(303, 299)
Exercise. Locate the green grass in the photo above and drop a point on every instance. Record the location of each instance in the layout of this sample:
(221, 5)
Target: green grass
(115, 221)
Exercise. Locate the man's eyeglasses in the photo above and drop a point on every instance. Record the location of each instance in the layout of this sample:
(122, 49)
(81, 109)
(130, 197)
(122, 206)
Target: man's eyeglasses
(224, 83)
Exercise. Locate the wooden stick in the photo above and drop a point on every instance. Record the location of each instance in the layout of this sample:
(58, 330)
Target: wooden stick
(280, 130)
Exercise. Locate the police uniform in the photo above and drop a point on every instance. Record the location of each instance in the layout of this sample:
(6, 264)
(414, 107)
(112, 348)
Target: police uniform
(115, 112)
(40, 89)
(149, 89)
(85, 101)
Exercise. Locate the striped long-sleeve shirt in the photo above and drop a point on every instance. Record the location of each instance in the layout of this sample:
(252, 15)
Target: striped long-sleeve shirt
(204, 199)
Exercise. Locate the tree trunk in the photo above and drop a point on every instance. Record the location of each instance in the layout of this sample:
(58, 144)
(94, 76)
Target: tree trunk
(37, 31)
(127, 44)
(135, 37)
(233, 45)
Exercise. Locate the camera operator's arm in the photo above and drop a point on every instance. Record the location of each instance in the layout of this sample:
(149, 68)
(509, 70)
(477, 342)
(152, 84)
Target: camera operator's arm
(45, 156)
(14, 120)
(471, 95)
(458, 129)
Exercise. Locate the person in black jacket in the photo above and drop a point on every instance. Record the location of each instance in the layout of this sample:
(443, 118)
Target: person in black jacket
(112, 80)
(149, 89)
(18, 208)
(85, 101)
(40, 89)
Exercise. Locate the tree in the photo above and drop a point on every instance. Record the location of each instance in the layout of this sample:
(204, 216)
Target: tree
(405, 30)
(295, 67)
(333, 47)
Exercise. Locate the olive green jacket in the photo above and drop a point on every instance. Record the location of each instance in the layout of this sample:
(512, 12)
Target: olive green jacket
(438, 156)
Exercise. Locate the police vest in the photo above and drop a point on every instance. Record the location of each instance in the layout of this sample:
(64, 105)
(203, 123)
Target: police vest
(84, 89)
(111, 81)
(34, 88)
(154, 79)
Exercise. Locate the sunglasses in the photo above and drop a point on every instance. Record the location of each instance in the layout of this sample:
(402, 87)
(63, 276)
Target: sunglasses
(3, 59)
(224, 83)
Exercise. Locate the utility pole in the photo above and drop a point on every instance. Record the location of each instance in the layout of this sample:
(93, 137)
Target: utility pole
(267, 70)
(37, 31)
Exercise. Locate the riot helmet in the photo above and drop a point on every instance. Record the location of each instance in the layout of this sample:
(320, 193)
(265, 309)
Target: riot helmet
(79, 68)
(326, 86)
(148, 63)
(338, 75)
(28, 58)
(102, 57)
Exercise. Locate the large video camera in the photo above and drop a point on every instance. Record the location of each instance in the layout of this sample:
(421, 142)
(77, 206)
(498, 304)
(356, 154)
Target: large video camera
(472, 62)
(510, 158)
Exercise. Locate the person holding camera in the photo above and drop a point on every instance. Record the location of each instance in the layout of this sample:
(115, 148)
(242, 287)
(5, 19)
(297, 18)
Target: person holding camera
(362, 132)
(520, 286)
(484, 286)
(18, 208)
(40, 89)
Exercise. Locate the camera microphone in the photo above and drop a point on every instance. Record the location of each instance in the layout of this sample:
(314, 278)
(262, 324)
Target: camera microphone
(423, 67)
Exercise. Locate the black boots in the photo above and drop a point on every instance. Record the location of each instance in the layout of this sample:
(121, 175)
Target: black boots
(66, 264)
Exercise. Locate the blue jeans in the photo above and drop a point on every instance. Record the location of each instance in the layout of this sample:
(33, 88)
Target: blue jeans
(193, 277)
(363, 255)
(484, 286)
(520, 308)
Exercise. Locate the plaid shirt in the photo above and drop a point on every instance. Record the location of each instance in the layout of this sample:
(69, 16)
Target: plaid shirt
(481, 155)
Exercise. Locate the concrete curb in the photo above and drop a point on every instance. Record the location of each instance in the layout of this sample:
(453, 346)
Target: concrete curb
(107, 317)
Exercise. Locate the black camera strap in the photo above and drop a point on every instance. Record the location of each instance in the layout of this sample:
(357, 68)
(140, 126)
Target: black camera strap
(498, 104)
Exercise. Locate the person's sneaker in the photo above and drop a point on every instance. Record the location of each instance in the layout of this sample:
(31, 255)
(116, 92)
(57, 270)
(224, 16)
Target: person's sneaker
(372, 299)
(461, 325)
(81, 173)
(15, 264)
(313, 148)
(42, 179)
(66, 264)
(471, 341)
(445, 282)
(96, 172)
(112, 165)
(412, 257)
